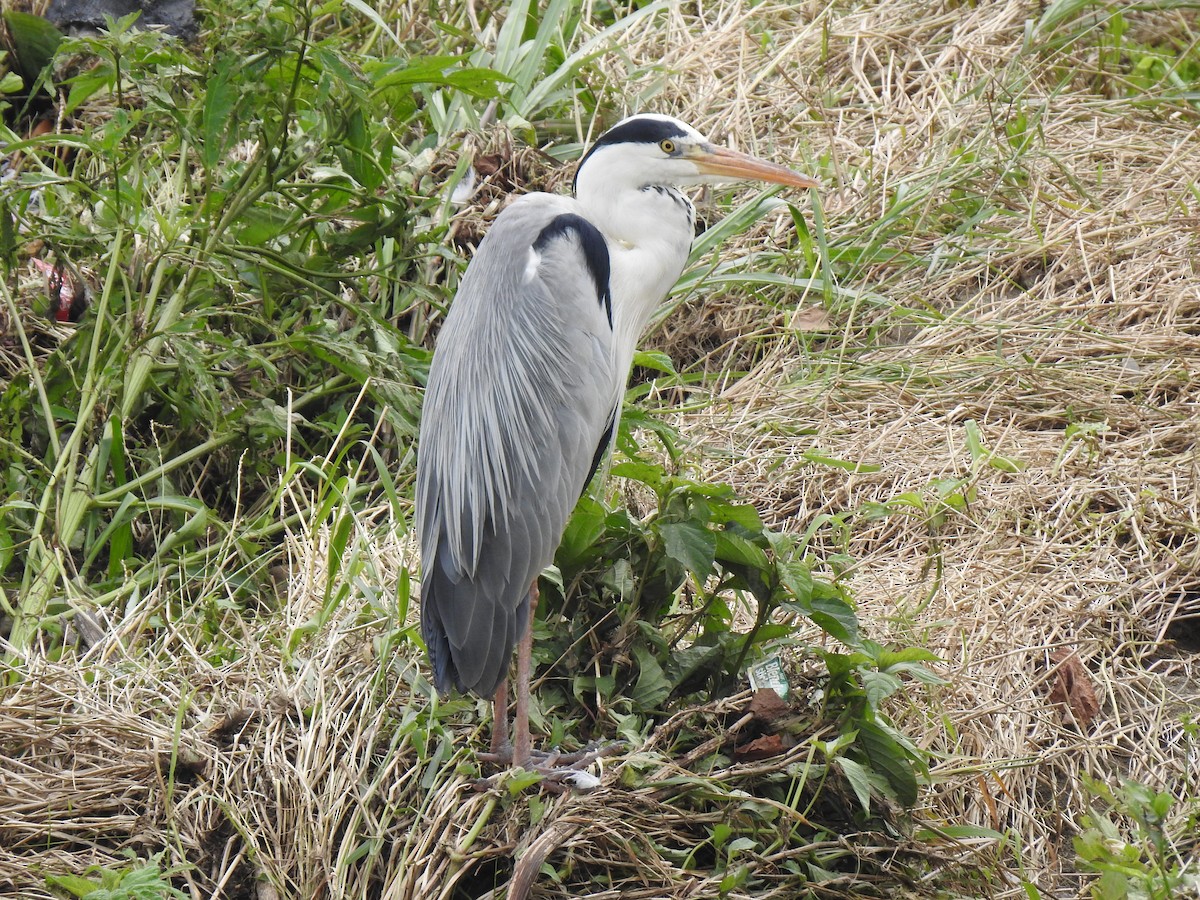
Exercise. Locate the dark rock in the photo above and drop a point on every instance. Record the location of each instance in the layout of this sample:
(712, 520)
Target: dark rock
(178, 17)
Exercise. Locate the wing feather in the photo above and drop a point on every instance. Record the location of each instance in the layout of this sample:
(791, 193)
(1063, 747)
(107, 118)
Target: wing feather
(520, 393)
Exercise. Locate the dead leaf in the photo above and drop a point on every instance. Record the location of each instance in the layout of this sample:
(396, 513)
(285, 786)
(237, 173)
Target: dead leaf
(766, 706)
(760, 748)
(812, 319)
(1073, 687)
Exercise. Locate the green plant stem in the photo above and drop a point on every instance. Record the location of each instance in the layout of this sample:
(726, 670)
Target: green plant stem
(35, 376)
(43, 569)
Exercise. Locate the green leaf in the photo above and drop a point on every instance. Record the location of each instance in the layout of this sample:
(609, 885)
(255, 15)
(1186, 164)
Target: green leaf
(34, 41)
(886, 659)
(652, 687)
(721, 832)
(797, 578)
(740, 844)
(654, 360)
(440, 70)
(7, 547)
(827, 610)
(890, 759)
(262, 223)
(685, 663)
(517, 780)
(358, 158)
(742, 515)
(584, 529)
(73, 884)
(860, 780)
(980, 453)
(220, 98)
(848, 465)
(691, 545)
(85, 85)
(1114, 885)
(733, 549)
(8, 235)
(647, 473)
(879, 686)
(958, 832)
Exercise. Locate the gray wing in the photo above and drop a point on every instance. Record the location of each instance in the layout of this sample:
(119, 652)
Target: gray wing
(517, 410)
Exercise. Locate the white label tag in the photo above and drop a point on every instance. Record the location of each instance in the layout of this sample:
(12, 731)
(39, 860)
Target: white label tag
(769, 674)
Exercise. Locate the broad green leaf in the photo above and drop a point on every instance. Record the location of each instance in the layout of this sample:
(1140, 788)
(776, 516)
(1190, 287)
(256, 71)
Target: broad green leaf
(652, 686)
(262, 223)
(585, 527)
(739, 844)
(655, 360)
(889, 759)
(736, 550)
(837, 617)
(517, 780)
(879, 686)
(685, 663)
(860, 781)
(443, 70)
(647, 473)
(740, 514)
(76, 885)
(691, 545)
(798, 580)
(34, 42)
(721, 832)
(889, 658)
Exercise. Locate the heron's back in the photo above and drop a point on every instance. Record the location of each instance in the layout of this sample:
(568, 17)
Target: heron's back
(520, 393)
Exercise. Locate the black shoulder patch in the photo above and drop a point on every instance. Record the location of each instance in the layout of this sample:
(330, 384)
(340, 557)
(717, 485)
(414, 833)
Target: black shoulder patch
(595, 252)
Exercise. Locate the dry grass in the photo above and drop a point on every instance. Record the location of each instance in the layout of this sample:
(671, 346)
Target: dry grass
(1075, 300)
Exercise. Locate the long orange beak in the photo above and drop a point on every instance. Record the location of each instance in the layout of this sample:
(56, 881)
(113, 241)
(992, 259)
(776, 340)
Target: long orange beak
(726, 163)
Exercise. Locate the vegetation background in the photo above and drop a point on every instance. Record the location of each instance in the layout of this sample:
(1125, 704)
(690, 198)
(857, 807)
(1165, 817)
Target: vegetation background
(929, 435)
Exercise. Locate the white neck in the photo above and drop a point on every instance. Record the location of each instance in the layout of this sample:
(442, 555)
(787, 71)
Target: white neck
(649, 230)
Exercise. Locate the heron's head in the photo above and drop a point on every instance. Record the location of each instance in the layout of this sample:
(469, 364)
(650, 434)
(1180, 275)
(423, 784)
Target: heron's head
(651, 149)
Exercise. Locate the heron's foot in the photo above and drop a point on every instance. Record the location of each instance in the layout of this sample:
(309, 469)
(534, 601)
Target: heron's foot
(557, 771)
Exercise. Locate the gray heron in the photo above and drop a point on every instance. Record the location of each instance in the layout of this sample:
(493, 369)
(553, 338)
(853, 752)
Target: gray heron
(525, 389)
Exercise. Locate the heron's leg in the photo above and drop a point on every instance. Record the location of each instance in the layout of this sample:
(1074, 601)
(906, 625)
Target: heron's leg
(500, 719)
(558, 771)
(521, 741)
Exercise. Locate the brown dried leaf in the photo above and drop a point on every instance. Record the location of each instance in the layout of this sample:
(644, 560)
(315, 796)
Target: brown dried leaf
(766, 706)
(1073, 688)
(812, 319)
(760, 748)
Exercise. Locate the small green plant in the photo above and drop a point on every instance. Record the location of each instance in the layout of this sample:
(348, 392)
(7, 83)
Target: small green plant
(678, 602)
(1166, 71)
(875, 757)
(140, 880)
(670, 608)
(1128, 844)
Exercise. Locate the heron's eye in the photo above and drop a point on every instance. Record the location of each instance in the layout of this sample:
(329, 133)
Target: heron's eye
(667, 146)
